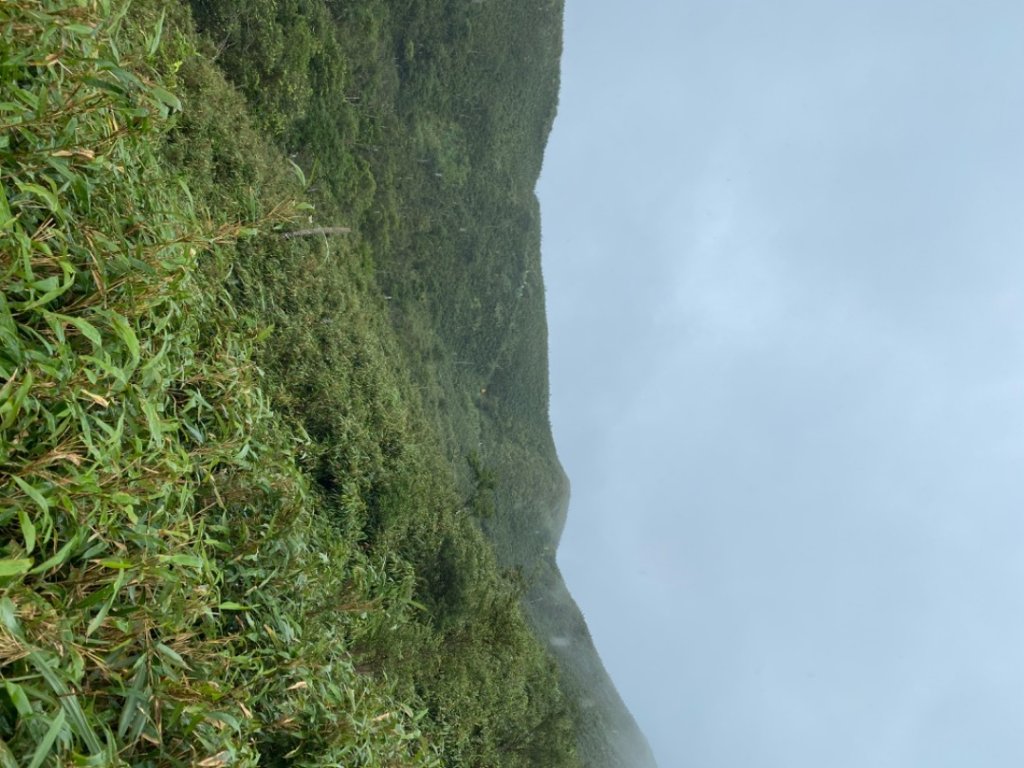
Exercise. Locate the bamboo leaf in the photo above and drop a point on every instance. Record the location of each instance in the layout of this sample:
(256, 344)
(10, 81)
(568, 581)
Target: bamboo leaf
(166, 98)
(129, 80)
(28, 530)
(6, 219)
(105, 85)
(298, 173)
(226, 718)
(59, 558)
(133, 715)
(51, 288)
(232, 606)
(9, 616)
(33, 494)
(18, 698)
(7, 759)
(156, 434)
(87, 329)
(101, 614)
(113, 20)
(69, 701)
(46, 195)
(171, 654)
(15, 567)
(154, 42)
(189, 561)
(8, 328)
(46, 744)
(127, 335)
(10, 409)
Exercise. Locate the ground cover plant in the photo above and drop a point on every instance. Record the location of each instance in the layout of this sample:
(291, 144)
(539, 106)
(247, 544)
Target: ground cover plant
(275, 461)
(155, 521)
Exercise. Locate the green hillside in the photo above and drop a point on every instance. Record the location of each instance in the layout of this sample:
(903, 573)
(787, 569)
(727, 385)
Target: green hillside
(278, 477)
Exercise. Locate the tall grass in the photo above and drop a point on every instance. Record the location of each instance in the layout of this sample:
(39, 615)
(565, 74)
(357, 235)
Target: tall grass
(160, 576)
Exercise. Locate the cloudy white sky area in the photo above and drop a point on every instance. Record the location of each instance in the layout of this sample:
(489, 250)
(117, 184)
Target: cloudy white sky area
(784, 256)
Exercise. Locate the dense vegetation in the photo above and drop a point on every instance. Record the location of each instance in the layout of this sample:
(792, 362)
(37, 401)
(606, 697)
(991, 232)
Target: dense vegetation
(276, 463)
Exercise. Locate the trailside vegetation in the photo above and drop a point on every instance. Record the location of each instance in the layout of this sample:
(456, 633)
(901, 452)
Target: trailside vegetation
(276, 468)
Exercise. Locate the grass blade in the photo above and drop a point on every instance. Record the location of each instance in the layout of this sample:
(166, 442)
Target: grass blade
(114, 589)
(7, 759)
(134, 715)
(10, 409)
(34, 494)
(28, 530)
(59, 558)
(15, 567)
(46, 744)
(127, 335)
(154, 41)
(69, 701)
(84, 327)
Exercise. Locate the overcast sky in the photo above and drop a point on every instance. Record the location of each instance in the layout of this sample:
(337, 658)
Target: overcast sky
(784, 257)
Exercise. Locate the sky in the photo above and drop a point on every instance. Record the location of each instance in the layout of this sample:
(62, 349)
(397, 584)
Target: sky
(783, 247)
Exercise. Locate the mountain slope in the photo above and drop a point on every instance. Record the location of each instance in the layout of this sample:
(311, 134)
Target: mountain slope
(279, 480)
(445, 107)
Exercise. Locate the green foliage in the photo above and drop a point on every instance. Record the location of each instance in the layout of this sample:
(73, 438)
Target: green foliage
(271, 499)
(155, 523)
(425, 135)
(443, 147)
(485, 482)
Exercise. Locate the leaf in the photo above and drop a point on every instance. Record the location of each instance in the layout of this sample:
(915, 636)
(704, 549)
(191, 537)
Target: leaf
(44, 746)
(28, 530)
(18, 698)
(154, 42)
(6, 219)
(98, 399)
(189, 561)
(33, 494)
(156, 434)
(232, 606)
(8, 328)
(127, 335)
(15, 567)
(166, 98)
(10, 409)
(113, 20)
(105, 85)
(47, 196)
(224, 717)
(51, 288)
(117, 564)
(84, 327)
(298, 173)
(129, 80)
(97, 620)
(69, 701)
(214, 761)
(170, 653)
(7, 759)
(9, 616)
(59, 558)
(133, 715)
